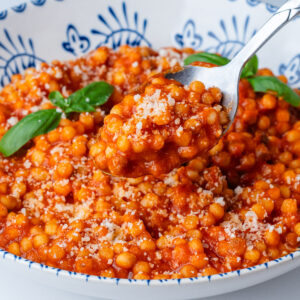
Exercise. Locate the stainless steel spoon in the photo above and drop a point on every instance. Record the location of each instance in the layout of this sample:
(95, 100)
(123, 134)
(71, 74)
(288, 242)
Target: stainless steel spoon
(227, 77)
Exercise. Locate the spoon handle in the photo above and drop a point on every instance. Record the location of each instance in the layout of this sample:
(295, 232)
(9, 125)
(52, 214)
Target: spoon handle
(283, 15)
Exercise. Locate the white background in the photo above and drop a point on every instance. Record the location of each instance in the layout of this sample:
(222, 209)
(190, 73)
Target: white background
(13, 287)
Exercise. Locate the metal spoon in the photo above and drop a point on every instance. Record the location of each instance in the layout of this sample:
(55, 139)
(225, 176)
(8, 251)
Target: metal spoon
(227, 77)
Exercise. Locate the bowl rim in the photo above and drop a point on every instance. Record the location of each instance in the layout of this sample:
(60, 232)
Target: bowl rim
(5, 255)
(147, 282)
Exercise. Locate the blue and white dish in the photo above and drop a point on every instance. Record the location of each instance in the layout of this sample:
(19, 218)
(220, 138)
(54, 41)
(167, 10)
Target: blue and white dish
(43, 30)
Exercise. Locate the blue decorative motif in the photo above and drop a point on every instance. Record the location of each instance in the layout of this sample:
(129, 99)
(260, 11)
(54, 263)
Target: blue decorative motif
(189, 38)
(253, 2)
(15, 56)
(291, 70)
(38, 2)
(76, 44)
(3, 14)
(20, 8)
(230, 42)
(271, 8)
(118, 31)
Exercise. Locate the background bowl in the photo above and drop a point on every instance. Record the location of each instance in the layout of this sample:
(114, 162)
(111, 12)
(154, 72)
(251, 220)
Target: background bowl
(43, 30)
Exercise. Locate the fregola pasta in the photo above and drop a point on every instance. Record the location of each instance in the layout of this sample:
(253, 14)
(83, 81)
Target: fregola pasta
(234, 205)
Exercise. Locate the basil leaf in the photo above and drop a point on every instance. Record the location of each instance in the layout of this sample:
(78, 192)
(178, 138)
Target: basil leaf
(269, 83)
(43, 121)
(79, 105)
(208, 58)
(58, 100)
(85, 99)
(250, 68)
(29, 127)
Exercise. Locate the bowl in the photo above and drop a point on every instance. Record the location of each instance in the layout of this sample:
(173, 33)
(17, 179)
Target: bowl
(43, 30)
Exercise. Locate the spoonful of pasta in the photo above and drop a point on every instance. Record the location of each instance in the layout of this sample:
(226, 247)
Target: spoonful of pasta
(181, 115)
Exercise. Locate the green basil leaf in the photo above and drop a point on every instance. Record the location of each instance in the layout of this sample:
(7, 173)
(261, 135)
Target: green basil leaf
(85, 99)
(58, 100)
(29, 127)
(208, 58)
(250, 68)
(43, 121)
(79, 106)
(269, 83)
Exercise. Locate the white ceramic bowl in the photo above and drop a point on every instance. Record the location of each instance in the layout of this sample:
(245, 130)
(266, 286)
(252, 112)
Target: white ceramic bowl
(43, 30)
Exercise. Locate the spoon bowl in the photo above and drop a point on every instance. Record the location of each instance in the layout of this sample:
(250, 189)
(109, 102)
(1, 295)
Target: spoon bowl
(226, 78)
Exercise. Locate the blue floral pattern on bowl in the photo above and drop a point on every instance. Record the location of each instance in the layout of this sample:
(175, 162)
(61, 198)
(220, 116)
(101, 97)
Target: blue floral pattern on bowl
(231, 37)
(189, 38)
(76, 44)
(227, 41)
(38, 2)
(19, 8)
(291, 70)
(116, 30)
(16, 55)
